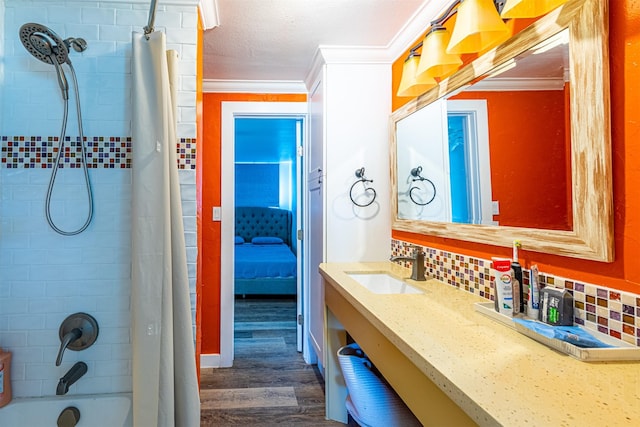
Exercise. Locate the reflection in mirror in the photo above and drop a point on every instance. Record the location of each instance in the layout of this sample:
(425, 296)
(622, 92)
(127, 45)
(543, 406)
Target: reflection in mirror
(496, 153)
(558, 161)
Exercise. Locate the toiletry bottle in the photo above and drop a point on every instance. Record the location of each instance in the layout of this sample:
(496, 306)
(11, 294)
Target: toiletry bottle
(517, 277)
(5, 377)
(503, 286)
(533, 302)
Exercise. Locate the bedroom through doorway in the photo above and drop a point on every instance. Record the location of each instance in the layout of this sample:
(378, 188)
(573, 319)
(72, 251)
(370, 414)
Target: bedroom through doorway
(266, 201)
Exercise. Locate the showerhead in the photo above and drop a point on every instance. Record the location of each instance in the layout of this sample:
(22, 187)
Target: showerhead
(48, 47)
(43, 43)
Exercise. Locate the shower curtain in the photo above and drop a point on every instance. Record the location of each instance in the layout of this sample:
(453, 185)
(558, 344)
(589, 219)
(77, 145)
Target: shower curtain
(165, 385)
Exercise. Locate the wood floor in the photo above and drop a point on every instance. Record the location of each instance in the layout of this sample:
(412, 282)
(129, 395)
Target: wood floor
(269, 383)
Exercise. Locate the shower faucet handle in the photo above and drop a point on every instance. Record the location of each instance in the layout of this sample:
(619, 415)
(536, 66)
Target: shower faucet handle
(77, 332)
(70, 336)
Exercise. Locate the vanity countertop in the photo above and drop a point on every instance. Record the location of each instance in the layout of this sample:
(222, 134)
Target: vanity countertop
(495, 374)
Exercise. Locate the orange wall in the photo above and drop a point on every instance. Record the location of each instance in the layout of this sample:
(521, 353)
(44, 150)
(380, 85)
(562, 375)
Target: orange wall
(209, 166)
(526, 130)
(623, 273)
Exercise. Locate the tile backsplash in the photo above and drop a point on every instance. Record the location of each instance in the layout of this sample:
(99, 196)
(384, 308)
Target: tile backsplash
(109, 152)
(613, 312)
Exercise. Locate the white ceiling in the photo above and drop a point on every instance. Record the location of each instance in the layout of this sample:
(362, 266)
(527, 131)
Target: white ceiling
(260, 40)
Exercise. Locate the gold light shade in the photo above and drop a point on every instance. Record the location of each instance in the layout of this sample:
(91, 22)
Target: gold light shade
(411, 84)
(529, 8)
(478, 27)
(435, 61)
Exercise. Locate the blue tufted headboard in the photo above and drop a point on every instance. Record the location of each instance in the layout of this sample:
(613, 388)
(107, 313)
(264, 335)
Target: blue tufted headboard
(263, 222)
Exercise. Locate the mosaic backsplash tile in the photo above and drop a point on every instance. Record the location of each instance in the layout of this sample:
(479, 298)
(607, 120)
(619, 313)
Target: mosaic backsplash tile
(613, 312)
(186, 153)
(102, 152)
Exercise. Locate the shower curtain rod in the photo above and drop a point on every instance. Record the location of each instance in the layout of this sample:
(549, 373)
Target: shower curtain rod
(152, 17)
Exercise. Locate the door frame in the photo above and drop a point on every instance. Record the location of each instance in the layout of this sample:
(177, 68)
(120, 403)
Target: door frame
(231, 110)
(477, 120)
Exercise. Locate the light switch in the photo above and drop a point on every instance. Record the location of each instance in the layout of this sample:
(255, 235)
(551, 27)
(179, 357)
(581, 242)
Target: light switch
(217, 213)
(495, 207)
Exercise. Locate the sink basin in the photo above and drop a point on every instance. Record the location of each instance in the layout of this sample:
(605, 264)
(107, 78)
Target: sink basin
(383, 283)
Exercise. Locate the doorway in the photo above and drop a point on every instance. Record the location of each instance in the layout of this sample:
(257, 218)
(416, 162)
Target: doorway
(231, 113)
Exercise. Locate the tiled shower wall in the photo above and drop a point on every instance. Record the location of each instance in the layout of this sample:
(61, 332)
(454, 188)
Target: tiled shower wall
(44, 276)
(606, 310)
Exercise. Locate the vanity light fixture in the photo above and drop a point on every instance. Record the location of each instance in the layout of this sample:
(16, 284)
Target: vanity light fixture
(478, 27)
(435, 61)
(412, 84)
(529, 8)
(440, 48)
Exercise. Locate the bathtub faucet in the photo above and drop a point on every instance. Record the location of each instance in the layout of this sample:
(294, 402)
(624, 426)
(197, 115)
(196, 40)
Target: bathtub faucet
(74, 374)
(417, 263)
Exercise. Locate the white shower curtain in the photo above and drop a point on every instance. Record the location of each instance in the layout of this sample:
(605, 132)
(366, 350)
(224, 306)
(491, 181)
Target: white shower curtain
(165, 386)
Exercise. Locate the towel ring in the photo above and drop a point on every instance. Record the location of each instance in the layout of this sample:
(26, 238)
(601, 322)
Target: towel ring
(363, 180)
(415, 172)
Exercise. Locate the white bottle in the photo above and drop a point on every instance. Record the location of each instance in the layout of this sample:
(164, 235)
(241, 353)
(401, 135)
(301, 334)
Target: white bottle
(503, 285)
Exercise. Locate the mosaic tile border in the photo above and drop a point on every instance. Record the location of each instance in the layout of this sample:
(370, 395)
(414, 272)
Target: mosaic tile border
(112, 152)
(186, 151)
(613, 312)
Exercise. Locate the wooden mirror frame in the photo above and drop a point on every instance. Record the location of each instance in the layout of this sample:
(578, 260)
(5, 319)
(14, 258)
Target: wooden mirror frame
(592, 204)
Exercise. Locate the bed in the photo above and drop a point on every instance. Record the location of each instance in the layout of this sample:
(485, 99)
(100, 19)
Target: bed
(265, 263)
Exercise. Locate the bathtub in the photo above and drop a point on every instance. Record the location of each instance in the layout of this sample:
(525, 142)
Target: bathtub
(96, 410)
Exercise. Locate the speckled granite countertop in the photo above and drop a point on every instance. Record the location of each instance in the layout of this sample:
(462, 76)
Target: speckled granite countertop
(496, 375)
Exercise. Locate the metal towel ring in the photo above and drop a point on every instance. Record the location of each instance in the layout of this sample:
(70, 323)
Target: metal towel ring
(363, 180)
(415, 172)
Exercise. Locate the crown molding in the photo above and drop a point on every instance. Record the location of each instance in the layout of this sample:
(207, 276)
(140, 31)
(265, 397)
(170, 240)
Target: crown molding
(253, 86)
(416, 27)
(209, 14)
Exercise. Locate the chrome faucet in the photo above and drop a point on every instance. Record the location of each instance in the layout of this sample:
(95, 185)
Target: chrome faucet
(73, 375)
(417, 263)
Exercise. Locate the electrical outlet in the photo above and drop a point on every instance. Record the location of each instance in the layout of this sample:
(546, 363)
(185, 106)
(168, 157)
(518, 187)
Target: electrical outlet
(217, 213)
(495, 207)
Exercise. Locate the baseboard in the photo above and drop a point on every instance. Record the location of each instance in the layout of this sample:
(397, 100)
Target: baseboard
(209, 360)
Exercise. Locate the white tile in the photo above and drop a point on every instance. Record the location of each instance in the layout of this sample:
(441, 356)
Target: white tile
(41, 371)
(96, 15)
(13, 339)
(628, 299)
(43, 338)
(26, 388)
(113, 368)
(187, 177)
(191, 239)
(79, 304)
(84, 30)
(114, 335)
(188, 194)
(63, 15)
(135, 18)
(27, 355)
(121, 383)
(46, 305)
(189, 223)
(26, 322)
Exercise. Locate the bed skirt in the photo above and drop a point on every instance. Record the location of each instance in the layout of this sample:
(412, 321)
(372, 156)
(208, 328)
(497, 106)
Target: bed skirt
(262, 286)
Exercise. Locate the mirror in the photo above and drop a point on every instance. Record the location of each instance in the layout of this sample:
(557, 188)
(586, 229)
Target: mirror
(460, 169)
(522, 107)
